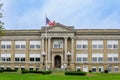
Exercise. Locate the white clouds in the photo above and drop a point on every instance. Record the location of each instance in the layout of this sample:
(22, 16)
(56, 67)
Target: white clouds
(78, 13)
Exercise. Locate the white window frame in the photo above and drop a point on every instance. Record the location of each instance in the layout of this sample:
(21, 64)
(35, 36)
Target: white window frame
(35, 43)
(97, 43)
(21, 44)
(97, 56)
(112, 43)
(58, 43)
(82, 43)
(7, 45)
(81, 56)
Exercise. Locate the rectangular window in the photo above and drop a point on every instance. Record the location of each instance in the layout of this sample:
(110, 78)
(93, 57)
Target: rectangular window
(57, 43)
(109, 58)
(94, 59)
(100, 59)
(79, 59)
(112, 44)
(82, 44)
(109, 46)
(31, 59)
(97, 44)
(17, 59)
(115, 58)
(37, 59)
(6, 44)
(84, 59)
(22, 59)
(22, 46)
(94, 46)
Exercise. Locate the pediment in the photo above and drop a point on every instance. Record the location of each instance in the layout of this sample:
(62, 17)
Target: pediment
(60, 28)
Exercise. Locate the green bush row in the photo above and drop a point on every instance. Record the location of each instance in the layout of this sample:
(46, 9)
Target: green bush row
(75, 73)
(8, 70)
(35, 71)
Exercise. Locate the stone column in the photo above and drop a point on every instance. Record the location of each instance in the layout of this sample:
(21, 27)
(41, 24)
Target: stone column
(42, 48)
(49, 48)
(72, 49)
(65, 48)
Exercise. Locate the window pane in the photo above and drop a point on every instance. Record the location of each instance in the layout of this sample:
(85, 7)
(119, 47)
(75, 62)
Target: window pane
(100, 58)
(109, 46)
(94, 59)
(78, 46)
(22, 59)
(31, 46)
(85, 46)
(109, 58)
(16, 58)
(84, 59)
(31, 59)
(37, 46)
(115, 58)
(115, 46)
(8, 46)
(3, 46)
(78, 59)
(94, 46)
(100, 46)
(22, 46)
(37, 59)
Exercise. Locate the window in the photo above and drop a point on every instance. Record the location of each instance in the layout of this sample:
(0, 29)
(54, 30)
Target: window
(19, 57)
(100, 58)
(112, 44)
(94, 69)
(34, 57)
(6, 44)
(113, 57)
(116, 69)
(20, 44)
(81, 57)
(109, 58)
(81, 44)
(94, 59)
(97, 44)
(57, 43)
(35, 44)
(5, 57)
(97, 57)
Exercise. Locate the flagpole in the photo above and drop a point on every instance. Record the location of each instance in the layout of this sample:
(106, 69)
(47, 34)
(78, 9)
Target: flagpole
(46, 42)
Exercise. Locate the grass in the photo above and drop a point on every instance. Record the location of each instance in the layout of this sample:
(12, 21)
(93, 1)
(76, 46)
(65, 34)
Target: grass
(58, 76)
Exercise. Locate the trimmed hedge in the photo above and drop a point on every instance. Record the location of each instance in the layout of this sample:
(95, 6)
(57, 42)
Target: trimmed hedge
(75, 73)
(35, 71)
(105, 71)
(1, 71)
(8, 70)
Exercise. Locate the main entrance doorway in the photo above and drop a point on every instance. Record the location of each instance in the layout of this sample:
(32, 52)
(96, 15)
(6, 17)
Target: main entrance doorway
(57, 61)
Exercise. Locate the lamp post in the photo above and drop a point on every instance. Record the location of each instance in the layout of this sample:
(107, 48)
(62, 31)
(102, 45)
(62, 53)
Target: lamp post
(43, 55)
(68, 59)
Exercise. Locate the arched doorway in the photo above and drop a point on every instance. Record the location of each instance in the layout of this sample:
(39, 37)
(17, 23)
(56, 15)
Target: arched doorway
(57, 61)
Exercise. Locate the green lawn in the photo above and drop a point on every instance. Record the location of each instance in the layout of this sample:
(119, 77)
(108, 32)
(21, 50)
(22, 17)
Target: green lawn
(59, 76)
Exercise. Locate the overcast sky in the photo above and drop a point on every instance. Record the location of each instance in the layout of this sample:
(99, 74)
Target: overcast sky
(83, 14)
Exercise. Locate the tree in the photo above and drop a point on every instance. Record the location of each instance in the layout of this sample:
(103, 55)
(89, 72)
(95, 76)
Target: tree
(1, 23)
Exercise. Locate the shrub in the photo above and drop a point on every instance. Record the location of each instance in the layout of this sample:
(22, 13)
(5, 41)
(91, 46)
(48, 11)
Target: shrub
(9, 70)
(35, 71)
(78, 70)
(1, 71)
(105, 71)
(90, 71)
(25, 71)
(75, 73)
(46, 72)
